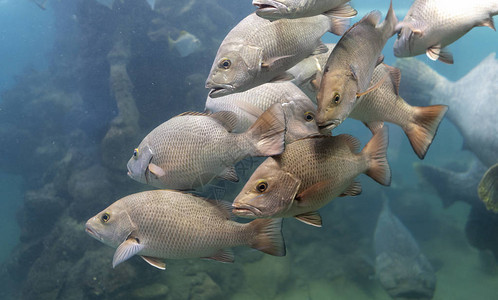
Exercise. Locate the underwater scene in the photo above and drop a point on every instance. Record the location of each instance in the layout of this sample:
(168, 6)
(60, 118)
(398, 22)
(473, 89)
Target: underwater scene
(248, 149)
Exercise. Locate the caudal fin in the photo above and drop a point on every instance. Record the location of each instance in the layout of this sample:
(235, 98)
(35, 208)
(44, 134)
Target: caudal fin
(267, 134)
(389, 24)
(267, 236)
(420, 83)
(337, 25)
(376, 151)
(423, 128)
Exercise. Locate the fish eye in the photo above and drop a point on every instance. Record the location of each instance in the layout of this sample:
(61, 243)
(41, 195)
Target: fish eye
(337, 98)
(309, 116)
(105, 217)
(135, 153)
(262, 186)
(225, 63)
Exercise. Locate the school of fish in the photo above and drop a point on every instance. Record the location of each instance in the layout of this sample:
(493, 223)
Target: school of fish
(276, 90)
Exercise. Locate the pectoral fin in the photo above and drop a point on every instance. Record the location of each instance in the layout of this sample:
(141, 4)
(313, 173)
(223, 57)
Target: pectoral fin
(126, 250)
(438, 53)
(156, 170)
(489, 23)
(312, 218)
(155, 262)
(373, 87)
(271, 61)
(304, 198)
(229, 174)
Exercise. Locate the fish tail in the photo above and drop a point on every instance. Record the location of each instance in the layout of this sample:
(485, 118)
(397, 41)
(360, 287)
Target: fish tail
(423, 128)
(420, 82)
(442, 180)
(389, 24)
(266, 135)
(376, 151)
(337, 25)
(267, 236)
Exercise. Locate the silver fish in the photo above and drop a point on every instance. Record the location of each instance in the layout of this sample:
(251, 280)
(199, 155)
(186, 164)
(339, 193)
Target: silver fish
(298, 109)
(293, 9)
(476, 118)
(348, 71)
(384, 104)
(164, 224)
(402, 269)
(185, 44)
(431, 25)
(308, 72)
(257, 50)
(189, 150)
(309, 174)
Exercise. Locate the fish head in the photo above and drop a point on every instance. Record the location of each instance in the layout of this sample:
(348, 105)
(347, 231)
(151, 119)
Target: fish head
(403, 46)
(336, 99)
(111, 226)
(139, 163)
(299, 119)
(269, 192)
(271, 9)
(233, 69)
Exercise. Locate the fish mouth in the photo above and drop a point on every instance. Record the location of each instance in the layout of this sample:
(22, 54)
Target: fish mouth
(329, 126)
(92, 233)
(268, 6)
(219, 90)
(247, 211)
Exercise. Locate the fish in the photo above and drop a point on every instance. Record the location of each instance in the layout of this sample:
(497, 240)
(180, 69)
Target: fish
(293, 9)
(257, 51)
(166, 224)
(488, 188)
(185, 44)
(309, 174)
(188, 151)
(452, 186)
(475, 119)
(308, 72)
(299, 110)
(384, 104)
(431, 25)
(348, 71)
(402, 269)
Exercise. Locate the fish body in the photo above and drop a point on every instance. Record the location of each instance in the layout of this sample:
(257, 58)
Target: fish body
(293, 9)
(384, 104)
(402, 269)
(348, 71)
(164, 224)
(308, 72)
(488, 188)
(309, 174)
(476, 118)
(257, 51)
(431, 25)
(185, 44)
(298, 109)
(189, 150)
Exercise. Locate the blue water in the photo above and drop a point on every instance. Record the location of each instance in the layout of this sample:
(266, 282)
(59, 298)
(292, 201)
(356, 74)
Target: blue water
(54, 76)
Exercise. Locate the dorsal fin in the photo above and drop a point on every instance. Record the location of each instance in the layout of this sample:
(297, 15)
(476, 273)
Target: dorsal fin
(372, 17)
(353, 143)
(395, 75)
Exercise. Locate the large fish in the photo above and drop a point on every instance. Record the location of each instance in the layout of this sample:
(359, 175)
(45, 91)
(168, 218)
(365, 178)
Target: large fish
(298, 109)
(189, 150)
(402, 269)
(309, 174)
(308, 72)
(257, 50)
(163, 224)
(431, 25)
(472, 101)
(293, 9)
(348, 71)
(384, 104)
